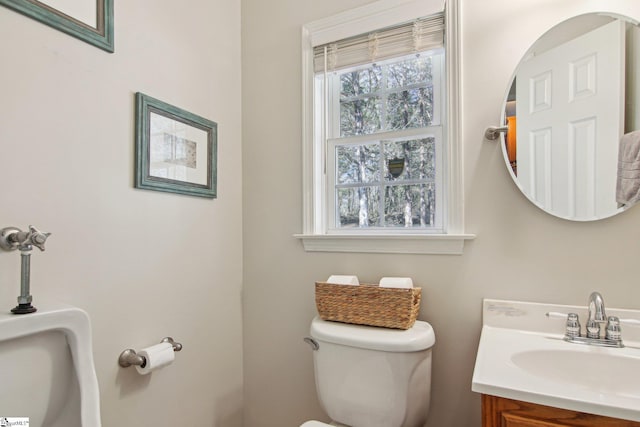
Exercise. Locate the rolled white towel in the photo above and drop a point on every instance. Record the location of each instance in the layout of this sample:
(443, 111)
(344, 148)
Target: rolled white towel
(343, 280)
(628, 177)
(396, 282)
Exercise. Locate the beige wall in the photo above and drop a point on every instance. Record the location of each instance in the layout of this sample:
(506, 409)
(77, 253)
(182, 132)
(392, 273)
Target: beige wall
(520, 252)
(143, 264)
(147, 264)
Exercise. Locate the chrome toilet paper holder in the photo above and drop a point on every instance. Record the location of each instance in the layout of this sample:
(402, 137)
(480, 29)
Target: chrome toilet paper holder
(130, 358)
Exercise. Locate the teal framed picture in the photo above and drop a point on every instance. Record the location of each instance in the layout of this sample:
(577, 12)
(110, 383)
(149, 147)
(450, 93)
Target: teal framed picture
(176, 151)
(88, 20)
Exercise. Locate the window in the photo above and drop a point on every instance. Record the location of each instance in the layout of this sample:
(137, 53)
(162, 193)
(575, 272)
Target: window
(380, 150)
(384, 162)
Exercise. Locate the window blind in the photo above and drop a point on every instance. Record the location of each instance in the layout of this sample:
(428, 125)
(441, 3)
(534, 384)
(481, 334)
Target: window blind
(419, 35)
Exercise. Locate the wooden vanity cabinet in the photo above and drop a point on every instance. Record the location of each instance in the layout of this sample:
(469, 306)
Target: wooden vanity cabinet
(502, 412)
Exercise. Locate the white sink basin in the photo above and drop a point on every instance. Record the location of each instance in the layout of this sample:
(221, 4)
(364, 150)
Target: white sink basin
(48, 374)
(606, 373)
(522, 356)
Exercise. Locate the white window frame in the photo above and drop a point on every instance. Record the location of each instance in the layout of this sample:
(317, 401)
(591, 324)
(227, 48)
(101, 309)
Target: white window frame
(434, 130)
(315, 235)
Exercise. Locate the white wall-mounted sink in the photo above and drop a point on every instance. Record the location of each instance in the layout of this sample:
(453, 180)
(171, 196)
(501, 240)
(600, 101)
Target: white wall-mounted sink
(522, 356)
(48, 374)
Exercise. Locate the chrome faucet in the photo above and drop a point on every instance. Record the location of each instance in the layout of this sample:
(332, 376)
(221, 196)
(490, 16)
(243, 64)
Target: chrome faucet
(12, 238)
(596, 307)
(597, 316)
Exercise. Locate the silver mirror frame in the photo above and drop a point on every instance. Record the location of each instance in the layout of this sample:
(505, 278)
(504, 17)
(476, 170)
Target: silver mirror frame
(499, 133)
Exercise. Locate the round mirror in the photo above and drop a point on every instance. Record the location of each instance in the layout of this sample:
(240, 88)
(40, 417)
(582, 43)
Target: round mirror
(573, 101)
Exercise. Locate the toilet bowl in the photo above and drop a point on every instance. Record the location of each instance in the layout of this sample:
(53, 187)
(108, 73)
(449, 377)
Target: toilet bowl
(372, 377)
(48, 373)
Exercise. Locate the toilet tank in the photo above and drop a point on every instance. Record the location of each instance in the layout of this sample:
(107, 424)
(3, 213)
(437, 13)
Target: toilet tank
(373, 377)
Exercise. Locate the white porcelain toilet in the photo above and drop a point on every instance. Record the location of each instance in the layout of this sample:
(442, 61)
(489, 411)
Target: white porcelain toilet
(372, 377)
(51, 379)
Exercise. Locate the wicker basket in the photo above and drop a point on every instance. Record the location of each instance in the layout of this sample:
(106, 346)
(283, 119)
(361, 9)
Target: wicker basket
(368, 305)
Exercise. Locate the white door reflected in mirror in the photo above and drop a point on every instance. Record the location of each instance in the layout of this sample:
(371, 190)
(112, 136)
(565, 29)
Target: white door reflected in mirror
(572, 97)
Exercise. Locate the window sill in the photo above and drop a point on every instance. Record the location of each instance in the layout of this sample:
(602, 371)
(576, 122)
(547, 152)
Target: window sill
(440, 244)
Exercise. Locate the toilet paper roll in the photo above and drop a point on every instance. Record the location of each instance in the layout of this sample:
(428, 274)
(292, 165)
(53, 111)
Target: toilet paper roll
(157, 356)
(396, 282)
(343, 280)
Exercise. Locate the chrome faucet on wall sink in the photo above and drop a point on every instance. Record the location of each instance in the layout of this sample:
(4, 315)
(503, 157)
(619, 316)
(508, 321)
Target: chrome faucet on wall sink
(12, 238)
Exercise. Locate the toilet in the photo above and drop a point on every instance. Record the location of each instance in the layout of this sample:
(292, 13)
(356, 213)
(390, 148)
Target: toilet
(372, 377)
(52, 381)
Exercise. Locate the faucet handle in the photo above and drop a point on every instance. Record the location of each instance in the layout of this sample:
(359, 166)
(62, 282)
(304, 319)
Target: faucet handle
(556, 315)
(593, 329)
(573, 325)
(37, 237)
(613, 331)
(12, 238)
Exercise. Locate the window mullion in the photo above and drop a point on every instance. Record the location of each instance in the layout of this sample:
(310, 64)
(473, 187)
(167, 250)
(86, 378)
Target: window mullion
(437, 70)
(386, 184)
(382, 96)
(385, 92)
(381, 187)
(383, 120)
(411, 133)
(332, 117)
(334, 105)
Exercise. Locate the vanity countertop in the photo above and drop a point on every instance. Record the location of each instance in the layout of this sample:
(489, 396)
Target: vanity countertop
(522, 356)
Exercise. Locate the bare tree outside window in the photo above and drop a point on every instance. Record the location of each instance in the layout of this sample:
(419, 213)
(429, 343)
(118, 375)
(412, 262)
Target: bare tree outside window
(386, 98)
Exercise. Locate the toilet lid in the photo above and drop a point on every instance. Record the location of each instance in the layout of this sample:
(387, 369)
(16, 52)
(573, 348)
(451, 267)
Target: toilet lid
(417, 338)
(315, 424)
